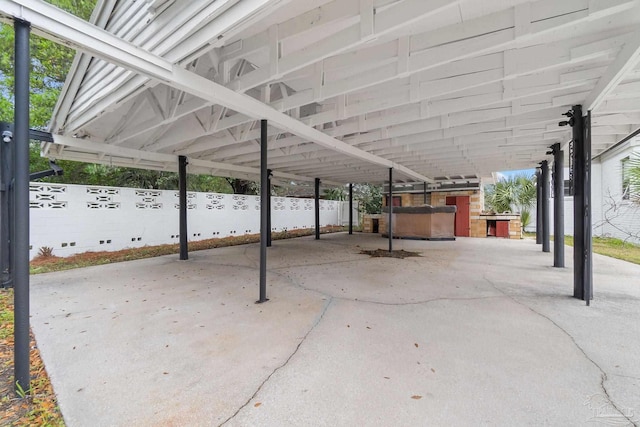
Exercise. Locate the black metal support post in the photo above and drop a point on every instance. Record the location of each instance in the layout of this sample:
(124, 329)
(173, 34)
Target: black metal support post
(269, 208)
(578, 202)
(538, 208)
(317, 207)
(582, 272)
(558, 206)
(424, 193)
(350, 208)
(587, 255)
(264, 212)
(545, 206)
(20, 235)
(182, 190)
(6, 196)
(390, 206)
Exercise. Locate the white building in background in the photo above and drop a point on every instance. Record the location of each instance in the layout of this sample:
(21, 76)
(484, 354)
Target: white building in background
(613, 213)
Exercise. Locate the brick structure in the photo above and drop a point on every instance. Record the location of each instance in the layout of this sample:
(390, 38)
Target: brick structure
(478, 228)
(477, 221)
(368, 222)
(408, 199)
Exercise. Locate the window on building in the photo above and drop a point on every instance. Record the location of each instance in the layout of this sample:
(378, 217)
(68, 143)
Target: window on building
(626, 178)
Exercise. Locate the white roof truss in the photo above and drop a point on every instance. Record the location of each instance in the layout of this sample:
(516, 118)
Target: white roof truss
(432, 88)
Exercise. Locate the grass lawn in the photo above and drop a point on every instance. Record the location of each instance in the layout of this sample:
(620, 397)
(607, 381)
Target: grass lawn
(615, 248)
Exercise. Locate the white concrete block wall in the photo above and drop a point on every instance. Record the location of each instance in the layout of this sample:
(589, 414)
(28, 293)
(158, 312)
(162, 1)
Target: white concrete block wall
(76, 218)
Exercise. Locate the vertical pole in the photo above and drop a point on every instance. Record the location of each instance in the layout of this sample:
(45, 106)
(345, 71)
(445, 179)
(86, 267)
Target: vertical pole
(538, 208)
(545, 206)
(558, 206)
(20, 240)
(587, 257)
(264, 211)
(424, 193)
(269, 208)
(6, 194)
(182, 192)
(578, 202)
(317, 207)
(390, 206)
(350, 208)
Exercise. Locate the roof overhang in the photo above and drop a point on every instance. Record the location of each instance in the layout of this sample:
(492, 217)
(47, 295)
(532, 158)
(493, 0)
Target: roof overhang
(350, 88)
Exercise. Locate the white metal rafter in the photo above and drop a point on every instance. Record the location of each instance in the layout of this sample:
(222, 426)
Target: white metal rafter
(51, 22)
(441, 88)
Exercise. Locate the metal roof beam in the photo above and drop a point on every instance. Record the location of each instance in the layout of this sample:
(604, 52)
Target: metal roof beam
(170, 160)
(52, 23)
(626, 60)
(452, 34)
(432, 88)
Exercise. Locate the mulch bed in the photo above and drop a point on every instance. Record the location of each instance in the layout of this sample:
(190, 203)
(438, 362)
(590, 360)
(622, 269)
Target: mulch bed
(402, 254)
(39, 409)
(49, 263)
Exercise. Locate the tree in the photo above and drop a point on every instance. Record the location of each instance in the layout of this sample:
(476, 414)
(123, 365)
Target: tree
(336, 193)
(243, 186)
(369, 197)
(633, 177)
(514, 194)
(50, 64)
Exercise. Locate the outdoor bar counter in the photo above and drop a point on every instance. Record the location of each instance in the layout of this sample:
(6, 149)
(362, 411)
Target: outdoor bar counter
(423, 222)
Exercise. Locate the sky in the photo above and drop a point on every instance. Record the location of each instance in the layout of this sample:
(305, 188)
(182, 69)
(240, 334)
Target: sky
(509, 174)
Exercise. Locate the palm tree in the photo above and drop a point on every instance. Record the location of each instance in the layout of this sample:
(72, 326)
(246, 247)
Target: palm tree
(633, 175)
(514, 194)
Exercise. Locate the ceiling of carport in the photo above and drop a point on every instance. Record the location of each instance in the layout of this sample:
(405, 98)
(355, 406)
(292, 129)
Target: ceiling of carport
(434, 88)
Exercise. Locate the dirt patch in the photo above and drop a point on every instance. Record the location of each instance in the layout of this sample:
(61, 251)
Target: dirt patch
(402, 254)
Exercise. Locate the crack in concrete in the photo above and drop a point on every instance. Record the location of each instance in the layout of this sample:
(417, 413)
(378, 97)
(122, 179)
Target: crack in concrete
(426, 301)
(295, 351)
(339, 298)
(626, 376)
(320, 263)
(603, 374)
(330, 298)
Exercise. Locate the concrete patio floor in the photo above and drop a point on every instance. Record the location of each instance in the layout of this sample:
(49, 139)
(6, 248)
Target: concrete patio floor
(473, 332)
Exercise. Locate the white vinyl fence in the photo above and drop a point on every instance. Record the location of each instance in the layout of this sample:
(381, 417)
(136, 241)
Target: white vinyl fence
(77, 218)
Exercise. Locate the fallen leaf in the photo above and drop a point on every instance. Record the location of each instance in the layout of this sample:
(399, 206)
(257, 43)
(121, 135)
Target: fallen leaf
(416, 397)
(257, 404)
(433, 370)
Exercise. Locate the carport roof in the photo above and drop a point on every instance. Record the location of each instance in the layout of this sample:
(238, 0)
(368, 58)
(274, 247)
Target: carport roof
(435, 89)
